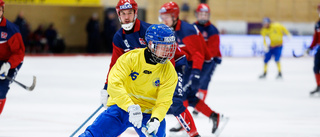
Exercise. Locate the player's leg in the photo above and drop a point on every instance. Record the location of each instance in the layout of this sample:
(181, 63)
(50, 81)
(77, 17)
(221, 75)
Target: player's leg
(179, 110)
(267, 57)
(110, 123)
(316, 70)
(202, 107)
(4, 85)
(277, 56)
(161, 130)
(205, 78)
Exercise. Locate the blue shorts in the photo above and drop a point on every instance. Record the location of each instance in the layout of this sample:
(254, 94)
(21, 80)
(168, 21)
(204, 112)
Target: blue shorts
(114, 121)
(4, 84)
(276, 52)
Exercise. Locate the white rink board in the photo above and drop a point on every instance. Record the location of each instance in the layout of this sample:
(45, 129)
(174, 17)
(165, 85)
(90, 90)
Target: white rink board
(68, 92)
(252, 45)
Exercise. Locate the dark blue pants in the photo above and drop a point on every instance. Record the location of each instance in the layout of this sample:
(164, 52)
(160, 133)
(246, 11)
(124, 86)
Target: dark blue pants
(177, 106)
(114, 121)
(316, 67)
(206, 74)
(4, 84)
(191, 94)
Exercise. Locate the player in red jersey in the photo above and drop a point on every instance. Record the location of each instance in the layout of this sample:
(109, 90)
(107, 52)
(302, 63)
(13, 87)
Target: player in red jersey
(191, 41)
(11, 53)
(315, 42)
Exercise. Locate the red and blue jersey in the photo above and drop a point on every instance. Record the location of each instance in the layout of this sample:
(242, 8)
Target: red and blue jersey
(191, 41)
(316, 35)
(11, 44)
(211, 35)
(124, 42)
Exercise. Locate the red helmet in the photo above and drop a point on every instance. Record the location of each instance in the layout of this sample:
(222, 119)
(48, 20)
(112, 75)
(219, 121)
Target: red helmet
(170, 7)
(127, 4)
(203, 8)
(1, 3)
(318, 6)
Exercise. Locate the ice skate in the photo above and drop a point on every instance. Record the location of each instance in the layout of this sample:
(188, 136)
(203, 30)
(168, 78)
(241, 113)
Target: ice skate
(176, 128)
(315, 91)
(219, 122)
(279, 76)
(195, 113)
(263, 76)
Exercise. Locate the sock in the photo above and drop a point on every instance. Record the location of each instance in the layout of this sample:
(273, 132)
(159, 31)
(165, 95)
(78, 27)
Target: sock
(317, 79)
(265, 68)
(186, 121)
(2, 102)
(202, 94)
(279, 67)
(203, 108)
(186, 103)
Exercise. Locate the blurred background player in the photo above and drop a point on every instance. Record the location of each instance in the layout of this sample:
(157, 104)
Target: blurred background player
(193, 44)
(141, 86)
(211, 36)
(275, 32)
(315, 42)
(131, 36)
(11, 53)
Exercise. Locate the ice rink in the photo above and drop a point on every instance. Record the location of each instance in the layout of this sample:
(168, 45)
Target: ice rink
(68, 92)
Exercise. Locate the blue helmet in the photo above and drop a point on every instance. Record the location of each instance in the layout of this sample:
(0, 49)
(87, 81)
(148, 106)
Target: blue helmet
(266, 20)
(161, 42)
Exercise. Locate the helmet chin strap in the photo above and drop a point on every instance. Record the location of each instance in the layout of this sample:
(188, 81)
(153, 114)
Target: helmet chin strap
(130, 25)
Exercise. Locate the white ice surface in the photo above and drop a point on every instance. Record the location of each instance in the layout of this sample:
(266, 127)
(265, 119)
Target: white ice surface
(68, 92)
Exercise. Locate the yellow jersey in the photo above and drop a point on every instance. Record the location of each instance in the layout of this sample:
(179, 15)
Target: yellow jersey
(134, 81)
(275, 33)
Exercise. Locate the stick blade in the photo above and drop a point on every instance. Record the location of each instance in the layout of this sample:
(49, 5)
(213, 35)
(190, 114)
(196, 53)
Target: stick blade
(33, 84)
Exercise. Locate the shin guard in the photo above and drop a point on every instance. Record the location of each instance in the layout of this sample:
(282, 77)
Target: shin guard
(186, 121)
(2, 102)
(317, 79)
(203, 108)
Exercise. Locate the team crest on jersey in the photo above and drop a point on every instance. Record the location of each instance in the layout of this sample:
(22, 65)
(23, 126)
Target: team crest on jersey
(4, 35)
(134, 75)
(142, 41)
(205, 34)
(156, 82)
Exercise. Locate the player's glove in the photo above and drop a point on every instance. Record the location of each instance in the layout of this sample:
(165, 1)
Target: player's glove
(194, 78)
(152, 127)
(4, 70)
(135, 115)
(217, 60)
(104, 98)
(308, 51)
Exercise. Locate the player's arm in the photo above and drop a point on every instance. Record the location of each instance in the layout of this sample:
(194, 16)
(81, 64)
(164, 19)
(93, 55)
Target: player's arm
(17, 48)
(315, 39)
(285, 30)
(214, 45)
(165, 93)
(263, 34)
(197, 50)
(116, 87)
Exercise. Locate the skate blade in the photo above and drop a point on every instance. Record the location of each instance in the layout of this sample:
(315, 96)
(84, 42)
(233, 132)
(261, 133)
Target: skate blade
(222, 125)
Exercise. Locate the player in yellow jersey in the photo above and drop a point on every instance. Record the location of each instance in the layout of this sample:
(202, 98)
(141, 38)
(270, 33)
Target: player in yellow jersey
(141, 86)
(275, 32)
